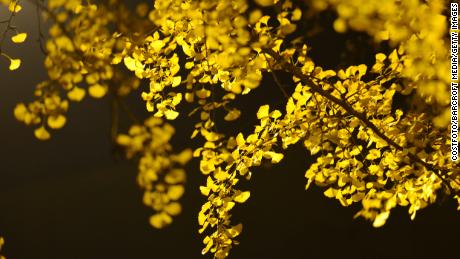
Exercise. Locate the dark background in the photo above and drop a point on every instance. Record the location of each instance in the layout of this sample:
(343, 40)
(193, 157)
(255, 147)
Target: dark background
(70, 198)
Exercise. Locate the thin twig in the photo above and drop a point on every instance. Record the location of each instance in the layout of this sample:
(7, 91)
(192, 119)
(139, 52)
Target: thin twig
(41, 37)
(275, 78)
(8, 26)
(127, 110)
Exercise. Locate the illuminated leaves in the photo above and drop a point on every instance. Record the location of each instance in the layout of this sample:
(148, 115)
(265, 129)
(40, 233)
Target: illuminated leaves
(263, 112)
(133, 64)
(96, 91)
(14, 6)
(330, 193)
(175, 192)
(170, 114)
(56, 122)
(14, 64)
(20, 112)
(47, 112)
(273, 156)
(380, 219)
(363, 146)
(42, 134)
(160, 172)
(76, 94)
(242, 197)
(394, 24)
(176, 81)
(19, 38)
(160, 220)
(373, 154)
(232, 115)
(173, 208)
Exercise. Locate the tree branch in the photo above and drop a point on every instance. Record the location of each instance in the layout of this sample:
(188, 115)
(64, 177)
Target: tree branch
(315, 87)
(275, 78)
(8, 25)
(41, 37)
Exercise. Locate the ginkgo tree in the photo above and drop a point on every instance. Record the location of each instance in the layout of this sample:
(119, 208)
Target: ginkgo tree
(209, 53)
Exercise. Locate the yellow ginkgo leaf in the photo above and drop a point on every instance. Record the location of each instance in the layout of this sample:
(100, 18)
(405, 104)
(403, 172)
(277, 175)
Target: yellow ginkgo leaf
(263, 111)
(14, 7)
(275, 157)
(173, 208)
(175, 176)
(42, 134)
(373, 154)
(235, 230)
(157, 45)
(14, 64)
(242, 197)
(380, 57)
(205, 190)
(275, 114)
(203, 93)
(209, 242)
(123, 140)
(20, 111)
(57, 121)
(176, 99)
(176, 81)
(330, 193)
(221, 175)
(381, 219)
(201, 218)
(78, 9)
(150, 106)
(132, 64)
(240, 141)
(290, 106)
(97, 90)
(76, 94)
(175, 192)
(232, 115)
(340, 26)
(206, 167)
(171, 115)
(188, 50)
(160, 220)
(182, 158)
(19, 38)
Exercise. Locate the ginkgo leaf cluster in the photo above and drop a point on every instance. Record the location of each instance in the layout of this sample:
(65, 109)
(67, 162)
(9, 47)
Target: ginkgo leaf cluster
(366, 148)
(14, 7)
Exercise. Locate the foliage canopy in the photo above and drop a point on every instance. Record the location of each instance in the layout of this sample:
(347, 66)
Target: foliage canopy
(367, 147)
